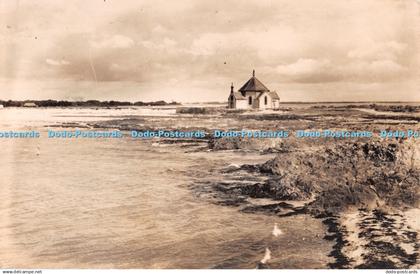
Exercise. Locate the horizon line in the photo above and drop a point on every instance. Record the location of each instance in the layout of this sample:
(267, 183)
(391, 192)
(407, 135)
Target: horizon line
(214, 102)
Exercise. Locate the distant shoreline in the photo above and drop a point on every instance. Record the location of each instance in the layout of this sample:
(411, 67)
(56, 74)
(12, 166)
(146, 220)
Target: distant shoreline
(114, 103)
(87, 103)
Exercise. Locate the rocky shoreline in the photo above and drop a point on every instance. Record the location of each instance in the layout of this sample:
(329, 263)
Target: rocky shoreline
(377, 180)
(361, 189)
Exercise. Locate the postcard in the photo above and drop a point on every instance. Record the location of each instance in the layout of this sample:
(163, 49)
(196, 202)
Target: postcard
(143, 135)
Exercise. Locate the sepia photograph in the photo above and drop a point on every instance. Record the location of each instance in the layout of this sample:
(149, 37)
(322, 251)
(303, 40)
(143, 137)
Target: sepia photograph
(191, 134)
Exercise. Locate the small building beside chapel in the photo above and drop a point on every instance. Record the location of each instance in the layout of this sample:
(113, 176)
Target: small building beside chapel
(253, 95)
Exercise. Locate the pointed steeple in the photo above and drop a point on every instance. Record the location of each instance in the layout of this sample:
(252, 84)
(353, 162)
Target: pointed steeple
(231, 88)
(253, 73)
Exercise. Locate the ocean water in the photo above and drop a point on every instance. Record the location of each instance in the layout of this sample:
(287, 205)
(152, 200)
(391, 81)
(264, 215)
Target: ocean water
(124, 203)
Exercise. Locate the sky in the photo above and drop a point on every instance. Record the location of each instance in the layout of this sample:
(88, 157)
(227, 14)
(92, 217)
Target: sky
(192, 50)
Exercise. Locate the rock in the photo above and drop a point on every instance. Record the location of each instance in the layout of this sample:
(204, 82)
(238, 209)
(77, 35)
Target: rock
(341, 176)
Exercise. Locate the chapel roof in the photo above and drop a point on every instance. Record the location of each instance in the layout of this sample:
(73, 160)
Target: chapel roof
(253, 84)
(239, 96)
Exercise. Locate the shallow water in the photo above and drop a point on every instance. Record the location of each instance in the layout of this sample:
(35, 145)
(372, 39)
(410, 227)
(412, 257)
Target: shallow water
(126, 203)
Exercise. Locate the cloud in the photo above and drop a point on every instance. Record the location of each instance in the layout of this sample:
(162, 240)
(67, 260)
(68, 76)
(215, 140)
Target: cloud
(162, 44)
(304, 67)
(53, 62)
(378, 70)
(212, 43)
(307, 70)
(324, 70)
(114, 42)
(277, 42)
(389, 50)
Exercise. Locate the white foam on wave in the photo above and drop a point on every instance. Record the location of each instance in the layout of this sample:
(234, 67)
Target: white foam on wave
(267, 256)
(277, 231)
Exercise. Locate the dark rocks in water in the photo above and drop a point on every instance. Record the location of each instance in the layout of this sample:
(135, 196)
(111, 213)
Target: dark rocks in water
(337, 234)
(384, 236)
(345, 175)
(201, 110)
(225, 143)
(256, 190)
(338, 198)
(341, 176)
(380, 154)
(379, 242)
(281, 209)
(378, 264)
(333, 179)
(382, 250)
(276, 189)
(250, 168)
(260, 265)
(286, 188)
(277, 117)
(232, 201)
(265, 145)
